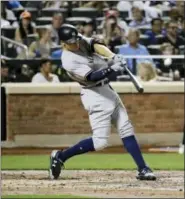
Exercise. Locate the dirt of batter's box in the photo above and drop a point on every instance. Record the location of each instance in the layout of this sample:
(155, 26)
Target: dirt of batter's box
(104, 184)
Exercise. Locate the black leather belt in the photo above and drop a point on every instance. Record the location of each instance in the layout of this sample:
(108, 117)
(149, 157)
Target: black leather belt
(102, 83)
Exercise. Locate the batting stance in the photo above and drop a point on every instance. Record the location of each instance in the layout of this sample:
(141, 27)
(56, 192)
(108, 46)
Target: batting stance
(90, 63)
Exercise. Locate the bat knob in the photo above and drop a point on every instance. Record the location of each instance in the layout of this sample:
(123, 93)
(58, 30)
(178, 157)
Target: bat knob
(141, 90)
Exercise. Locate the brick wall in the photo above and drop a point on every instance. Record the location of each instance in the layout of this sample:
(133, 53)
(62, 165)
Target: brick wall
(64, 113)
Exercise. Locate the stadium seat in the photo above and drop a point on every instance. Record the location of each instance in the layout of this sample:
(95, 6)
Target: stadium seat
(17, 12)
(48, 12)
(160, 39)
(86, 12)
(128, 20)
(154, 49)
(77, 20)
(182, 49)
(99, 30)
(143, 40)
(12, 20)
(123, 14)
(144, 29)
(165, 13)
(8, 32)
(99, 20)
(8, 49)
(43, 21)
(166, 18)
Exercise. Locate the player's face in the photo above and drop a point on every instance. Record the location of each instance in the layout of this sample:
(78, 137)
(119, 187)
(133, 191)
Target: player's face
(73, 47)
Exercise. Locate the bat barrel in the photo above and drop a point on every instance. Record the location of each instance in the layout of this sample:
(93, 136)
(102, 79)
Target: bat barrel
(135, 81)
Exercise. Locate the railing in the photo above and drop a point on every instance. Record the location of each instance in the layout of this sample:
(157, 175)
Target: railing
(16, 43)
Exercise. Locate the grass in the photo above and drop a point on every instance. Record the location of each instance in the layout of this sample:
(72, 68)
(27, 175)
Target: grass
(41, 196)
(93, 161)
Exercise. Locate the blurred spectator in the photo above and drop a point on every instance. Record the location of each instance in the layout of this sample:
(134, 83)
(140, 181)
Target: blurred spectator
(163, 68)
(182, 29)
(174, 14)
(113, 34)
(139, 20)
(155, 31)
(17, 74)
(45, 75)
(57, 22)
(150, 11)
(56, 54)
(25, 28)
(80, 27)
(146, 72)
(4, 72)
(53, 4)
(166, 67)
(99, 5)
(12, 4)
(124, 5)
(167, 49)
(4, 22)
(180, 7)
(114, 14)
(23, 74)
(172, 36)
(134, 48)
(88, 29)
(42, 46)
(6, 13)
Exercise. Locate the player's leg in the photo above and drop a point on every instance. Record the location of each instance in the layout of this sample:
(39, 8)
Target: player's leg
(100, 124)
(126, 132)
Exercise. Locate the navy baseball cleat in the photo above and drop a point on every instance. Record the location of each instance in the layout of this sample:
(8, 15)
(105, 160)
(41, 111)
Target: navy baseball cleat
(146, 174)
(55, 165)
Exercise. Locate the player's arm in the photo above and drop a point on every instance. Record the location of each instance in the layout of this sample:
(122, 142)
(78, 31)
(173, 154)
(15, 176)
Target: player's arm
(104, 73)
(97, 46)
(103, 51)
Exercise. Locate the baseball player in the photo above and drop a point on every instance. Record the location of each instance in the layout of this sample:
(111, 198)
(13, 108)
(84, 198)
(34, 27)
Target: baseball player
(91, 63)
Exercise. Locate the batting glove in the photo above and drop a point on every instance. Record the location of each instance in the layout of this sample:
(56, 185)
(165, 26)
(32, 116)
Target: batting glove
(118, 58)
(117, 67)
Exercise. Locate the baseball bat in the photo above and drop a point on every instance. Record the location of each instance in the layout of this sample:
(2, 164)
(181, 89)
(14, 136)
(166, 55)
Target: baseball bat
(135, 81)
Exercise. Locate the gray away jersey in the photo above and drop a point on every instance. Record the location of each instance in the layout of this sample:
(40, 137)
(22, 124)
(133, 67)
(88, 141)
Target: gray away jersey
(79, 64)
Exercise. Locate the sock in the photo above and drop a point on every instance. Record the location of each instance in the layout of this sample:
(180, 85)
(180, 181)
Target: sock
(83, 146)
(132, 147)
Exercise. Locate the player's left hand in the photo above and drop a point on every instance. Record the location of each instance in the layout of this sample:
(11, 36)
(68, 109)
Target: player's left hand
(118, 58)
(117, 67)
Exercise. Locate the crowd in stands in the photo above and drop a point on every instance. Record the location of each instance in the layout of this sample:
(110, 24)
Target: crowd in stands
(126, 27)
